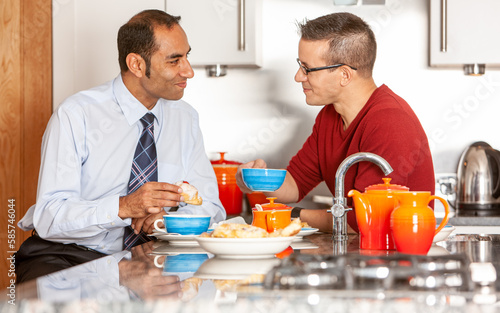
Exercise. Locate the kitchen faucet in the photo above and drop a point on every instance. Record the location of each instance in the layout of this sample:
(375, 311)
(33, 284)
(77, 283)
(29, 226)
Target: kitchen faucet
(339, 208)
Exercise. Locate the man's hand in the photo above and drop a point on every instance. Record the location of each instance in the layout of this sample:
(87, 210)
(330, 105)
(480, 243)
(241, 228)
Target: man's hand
(146, 223)
(150, 198)
(259, 163)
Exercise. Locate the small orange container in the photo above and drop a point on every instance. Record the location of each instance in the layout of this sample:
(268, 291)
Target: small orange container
(273, 216)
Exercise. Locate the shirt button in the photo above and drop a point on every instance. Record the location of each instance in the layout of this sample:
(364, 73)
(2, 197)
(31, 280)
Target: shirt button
(109, 217)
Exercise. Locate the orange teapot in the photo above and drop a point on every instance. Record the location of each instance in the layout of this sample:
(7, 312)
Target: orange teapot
(373, 210)
(413, 223)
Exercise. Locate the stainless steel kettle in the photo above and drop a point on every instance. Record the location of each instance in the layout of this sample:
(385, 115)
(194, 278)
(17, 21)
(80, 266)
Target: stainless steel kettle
(478, 174)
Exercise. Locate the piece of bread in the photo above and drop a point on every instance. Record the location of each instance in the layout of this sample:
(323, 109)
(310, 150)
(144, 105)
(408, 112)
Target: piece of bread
(292, 229)
(232, 230)
(190, 193)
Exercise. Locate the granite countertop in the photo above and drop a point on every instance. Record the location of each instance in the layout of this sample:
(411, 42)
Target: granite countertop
(103, 286)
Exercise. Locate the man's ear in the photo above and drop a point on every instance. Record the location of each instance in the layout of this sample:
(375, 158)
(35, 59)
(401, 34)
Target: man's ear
(136, 64)
(347, 74)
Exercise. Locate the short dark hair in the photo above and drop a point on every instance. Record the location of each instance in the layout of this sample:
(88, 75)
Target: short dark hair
(137, 36)
(351, 39)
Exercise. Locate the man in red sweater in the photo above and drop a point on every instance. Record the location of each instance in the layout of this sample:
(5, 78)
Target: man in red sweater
(336, 57)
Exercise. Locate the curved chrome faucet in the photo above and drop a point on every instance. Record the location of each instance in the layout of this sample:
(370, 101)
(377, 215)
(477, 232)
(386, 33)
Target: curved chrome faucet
(339, 208)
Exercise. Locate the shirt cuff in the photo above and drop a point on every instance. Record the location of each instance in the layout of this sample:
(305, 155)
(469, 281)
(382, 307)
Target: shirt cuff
(107, 213)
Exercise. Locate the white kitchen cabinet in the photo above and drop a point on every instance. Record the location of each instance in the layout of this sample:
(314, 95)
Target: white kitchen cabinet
(215, 34)
(464, 32)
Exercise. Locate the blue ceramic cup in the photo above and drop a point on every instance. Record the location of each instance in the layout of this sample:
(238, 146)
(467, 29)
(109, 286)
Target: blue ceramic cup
(184, 224)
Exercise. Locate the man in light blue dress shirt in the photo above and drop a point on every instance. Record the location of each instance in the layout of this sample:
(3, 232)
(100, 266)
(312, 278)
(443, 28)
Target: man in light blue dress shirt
(90, 140)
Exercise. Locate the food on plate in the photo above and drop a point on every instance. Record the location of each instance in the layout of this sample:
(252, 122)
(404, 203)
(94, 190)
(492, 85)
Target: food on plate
(291, 230)
(233, 230)
(305, 225)
(190, 193)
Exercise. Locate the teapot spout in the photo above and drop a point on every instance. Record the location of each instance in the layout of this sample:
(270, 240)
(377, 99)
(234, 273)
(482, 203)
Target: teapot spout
(362, 208)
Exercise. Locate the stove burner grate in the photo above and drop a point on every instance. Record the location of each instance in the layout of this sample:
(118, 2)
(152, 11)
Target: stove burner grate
(361, 272)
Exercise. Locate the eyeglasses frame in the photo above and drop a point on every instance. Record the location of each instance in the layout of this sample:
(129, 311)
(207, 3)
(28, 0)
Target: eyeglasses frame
(314, 69)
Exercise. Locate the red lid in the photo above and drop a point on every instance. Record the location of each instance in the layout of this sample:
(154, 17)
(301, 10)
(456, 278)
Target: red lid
(223, 161)
(386, 186)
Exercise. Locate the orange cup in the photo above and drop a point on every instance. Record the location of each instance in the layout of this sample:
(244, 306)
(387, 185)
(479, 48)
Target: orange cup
(256, 197)
(271, 220)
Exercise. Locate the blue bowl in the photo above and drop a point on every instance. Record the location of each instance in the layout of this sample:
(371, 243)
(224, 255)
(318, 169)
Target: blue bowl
(186, 224)
(263, 179)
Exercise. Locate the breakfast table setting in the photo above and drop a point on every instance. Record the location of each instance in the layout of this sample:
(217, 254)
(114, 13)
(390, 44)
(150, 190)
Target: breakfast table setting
(402, 259)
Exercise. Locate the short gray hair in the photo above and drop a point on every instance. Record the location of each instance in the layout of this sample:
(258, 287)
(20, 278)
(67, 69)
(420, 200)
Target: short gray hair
(351, 40)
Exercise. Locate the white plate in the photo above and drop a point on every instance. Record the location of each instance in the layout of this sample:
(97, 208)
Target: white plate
(306, 231)
(179, 240)
(245, 248)
(221, 268)
(443, 233)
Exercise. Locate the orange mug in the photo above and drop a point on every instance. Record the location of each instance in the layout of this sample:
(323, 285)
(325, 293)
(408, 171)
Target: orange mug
(271, 220)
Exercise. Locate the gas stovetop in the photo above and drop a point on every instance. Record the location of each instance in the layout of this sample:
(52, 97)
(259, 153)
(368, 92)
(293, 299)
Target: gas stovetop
(396, 272)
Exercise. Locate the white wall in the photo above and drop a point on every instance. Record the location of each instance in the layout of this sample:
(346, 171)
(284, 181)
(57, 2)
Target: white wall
(262, 113)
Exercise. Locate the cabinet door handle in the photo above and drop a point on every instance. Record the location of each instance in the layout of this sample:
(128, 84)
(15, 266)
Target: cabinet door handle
(444, 25)
(241, 39)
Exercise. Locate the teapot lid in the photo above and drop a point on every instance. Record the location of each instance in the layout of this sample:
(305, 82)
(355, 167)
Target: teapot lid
(386, 186)
(274, 206)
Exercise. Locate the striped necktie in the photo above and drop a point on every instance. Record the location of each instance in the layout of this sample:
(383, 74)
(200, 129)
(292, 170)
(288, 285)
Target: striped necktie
(144, 169)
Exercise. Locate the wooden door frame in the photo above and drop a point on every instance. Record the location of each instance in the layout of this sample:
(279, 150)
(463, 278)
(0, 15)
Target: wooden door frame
(25, 108)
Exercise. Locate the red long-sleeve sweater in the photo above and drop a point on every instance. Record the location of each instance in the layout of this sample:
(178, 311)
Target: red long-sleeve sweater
(386, 126)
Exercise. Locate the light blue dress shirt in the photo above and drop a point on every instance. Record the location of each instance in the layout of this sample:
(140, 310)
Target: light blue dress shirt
(87, 152)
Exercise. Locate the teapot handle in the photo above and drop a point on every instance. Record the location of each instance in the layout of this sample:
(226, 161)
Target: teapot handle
(446, 211)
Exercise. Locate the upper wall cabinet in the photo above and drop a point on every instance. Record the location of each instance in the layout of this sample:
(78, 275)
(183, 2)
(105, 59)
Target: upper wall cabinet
(464, 32)
(221, 32)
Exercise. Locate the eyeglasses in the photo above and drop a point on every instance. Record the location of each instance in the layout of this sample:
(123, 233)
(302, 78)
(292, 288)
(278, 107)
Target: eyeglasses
(306, 70)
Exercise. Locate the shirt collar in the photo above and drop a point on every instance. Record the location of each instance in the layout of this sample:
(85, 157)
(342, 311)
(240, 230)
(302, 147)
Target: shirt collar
(132, 109)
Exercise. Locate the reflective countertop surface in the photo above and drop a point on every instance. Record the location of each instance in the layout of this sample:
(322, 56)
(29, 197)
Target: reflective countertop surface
(159, 276)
